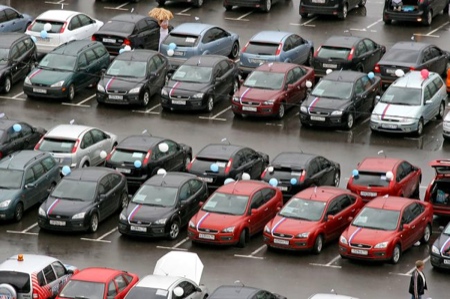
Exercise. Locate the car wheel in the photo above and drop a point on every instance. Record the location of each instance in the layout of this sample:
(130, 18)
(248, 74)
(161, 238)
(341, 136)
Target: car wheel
(396, 254)
(419, 131)
(71, 93)
(337, 179)
(145, 98)
(235, 87)
(387, 21)
(228, 7)
(198, 3)
(237, 115)
(350, 121)
(123, 201)
(441, 110)
(429, 18)
(360, 68)
(267, 6)
(281, 111)
(234, 51)
(426, 234)
(309, 61)
(304, 15)
(85, 164)
(242, 239)
(210, 103)
(444, 11)
(93, 223)
(362, 3)
(344, 12)
(186, 162)
(18, 212)
(318, 245)
(174, 230)
(8, 85)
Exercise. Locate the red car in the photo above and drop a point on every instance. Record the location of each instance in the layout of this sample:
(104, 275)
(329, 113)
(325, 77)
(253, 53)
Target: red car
(378, 176)
(312, 217)
(438, 192)
(99, 283)
(234, 212)
(386, 227)
(271, 89)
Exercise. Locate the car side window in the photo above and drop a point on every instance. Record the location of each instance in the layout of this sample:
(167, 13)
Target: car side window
(100, 51)
(141, 25)
(84, 20)
(426, 94)
(416, 209)
(120, 282)
(3, 17)
(49, 274)
(104, 185)
(434, 52)
(74, 23)
(407, 216)
(152, 66)
(90, 56)
(29, 43)
(22, 48)
(400, 174)
(267, 194)
(29, 176)
(158, 61)
(370, 45)
(185, 192)
(195, 185)
(48, 163)
(290, 77)
(298, 73)
(345, 202)
(219, 33)
(433, 89)
(59, 269)
(26, 130)
(407, 168)
(334, 207)
(41, 279)
(359, 87)
(287, 45)
(313, 168)
(114, 179)
(360, 49)
(296, 40)
(14, 54)
(97, 135)
(11, 14)
(238, 160)
(323, 163)
(427, 55)
(82, 61)
(224, 66)
(112, 292)
(38, 170)
(172, 147)
(208, 37)
(87, 140)
(257, 200)
(438, 82)
(366, 83)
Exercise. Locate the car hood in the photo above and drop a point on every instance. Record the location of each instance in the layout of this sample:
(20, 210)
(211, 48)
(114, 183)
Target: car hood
(394, 111)
(48, 77)
(256, 94)
(177, 88)
(6, 194)
(144, 213)
(291, 226)
(442, 243)
(181, 264)
(215, 221)
(360, 235)
(314, 102)
(64, 207)
(111, 83)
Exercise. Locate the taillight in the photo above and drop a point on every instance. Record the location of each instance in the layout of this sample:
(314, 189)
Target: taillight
(376, 69)
(278, 49)
(189, 166)
(302, 176)
(63, 27)
(228, 167)
(75, 146)
(36, 147)
(147, 157)
(412, 68)
(110, 154)
(127, 42)
(1, 155)
(350, 55)
(31, 25)
(93, 38)
(317, 51)
(264, 173)
(35, 294)
(245, 48)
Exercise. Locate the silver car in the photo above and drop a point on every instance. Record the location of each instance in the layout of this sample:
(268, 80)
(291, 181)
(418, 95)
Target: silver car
(409, 103)
(76, 145)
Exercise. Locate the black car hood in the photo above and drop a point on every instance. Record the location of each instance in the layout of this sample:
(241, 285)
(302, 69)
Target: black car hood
(64, 207)
(441, 241)
(146, 213)
(113, 83)
(177, 88)
(314, 102)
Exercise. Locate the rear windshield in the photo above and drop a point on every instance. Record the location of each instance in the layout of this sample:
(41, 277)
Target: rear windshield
(371, 179)
(121, 155)
(83, 289)
(57, 145)
(261, 48)
(401, 55)
(181, 40)
(11, 179)
(18, 280)
(333, 53)
(117, 26)
(38, 26)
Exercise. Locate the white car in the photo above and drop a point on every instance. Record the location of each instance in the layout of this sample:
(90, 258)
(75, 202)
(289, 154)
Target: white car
(176, 275)
(446, 127)
(65, 25)
(330, 296)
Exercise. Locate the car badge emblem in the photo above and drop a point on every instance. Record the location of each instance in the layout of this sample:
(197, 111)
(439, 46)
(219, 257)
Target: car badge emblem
(58, 217)
(207, 230)
(116, 91)
(179, 97)
(139, 222)
(250, 103)
(281, 235)
(359, 245)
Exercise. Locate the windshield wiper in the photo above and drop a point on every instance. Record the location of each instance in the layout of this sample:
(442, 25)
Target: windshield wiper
(68, 198)
(3, 187)
(373, 227)
(223, 212)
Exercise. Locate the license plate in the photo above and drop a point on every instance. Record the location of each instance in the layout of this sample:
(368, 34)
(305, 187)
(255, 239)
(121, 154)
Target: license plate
(138, 229)
(109, 40)
(390, 71)
(389, 126)
(39, 90)
(45, 40)
(178, 102)
(371, 194)
(206, 236)
(328, 65)
(447, 262)
(247, 108)
(280, 241)
(57, 223)
(318, 118)
(178, 53)
(208, 180)
(318, 1)
(360, 251)
(115, 97)
(283, 188)
(257, 61)
(123, 170)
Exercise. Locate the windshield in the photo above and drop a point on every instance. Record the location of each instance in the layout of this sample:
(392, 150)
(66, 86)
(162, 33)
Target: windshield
(333, 53)
(58, 62)
(333, 89)
(377, 219)
(194, 74)
(401, 55)
(181, 40)
(83, 289)
(147, 293)
(402, 96)
(18, 280)
(265, 80)
(57, 145)
(261, 48)
(304, 209)
(371, 179)
(156, 196)
(446, 231)
(38, 26)
(120, 155)
(4, 56)
(223, 203)
(118, 27)
(75, 190)
(11, 179)
(127, 68)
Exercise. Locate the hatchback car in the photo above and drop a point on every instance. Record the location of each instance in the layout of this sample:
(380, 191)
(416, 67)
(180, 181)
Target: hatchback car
(17, 55)
(200, 82)
(164, 204)
(195, 3)
(410, 56)
(311, 218)
(65, 26)
(77, 145)
(272, 46)
(347, 53)
(234, 213)
(378, 176)
(296, 171)
(339, 8)
(386, 227)
(440, 250)
(339, 99)
(192, 39)
(152, 153)
(409, 103)
(264, 5)
(99, 283)
(438, 191)
(411, 10)
(83, 199)
(67, 69)
(26, 179)
(136, 31)
(216, 162)
(133, 77)
(242, 292)
(331, 296)
(13, 21)
(271, 89)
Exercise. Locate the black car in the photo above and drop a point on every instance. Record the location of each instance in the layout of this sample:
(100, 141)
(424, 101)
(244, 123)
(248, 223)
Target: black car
(17, 55)
(338, 8)
(200, 82)
(264, 5)
(339, 98)
(152, 153)
(163, 204)
(347, 53)
(421, 11)
(242, 292)
(217, 162)
(84, 198)
(18, 135)
(296, 171)
(195, 3)
(133, 77)
(409, 56)
(136, 31)
(440, 250)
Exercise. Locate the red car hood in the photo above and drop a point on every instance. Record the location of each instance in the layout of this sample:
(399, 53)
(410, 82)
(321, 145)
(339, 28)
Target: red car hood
(257, 95)
(367, 236)
(216, 221)
(290, 226)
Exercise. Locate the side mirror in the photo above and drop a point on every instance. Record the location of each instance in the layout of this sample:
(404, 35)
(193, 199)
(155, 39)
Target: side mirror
(30, 186)
(290, 86)
(330, 217)
(107, 136)
(200, 203)
(198, 290)
(219, 79)
(406, 226)
(278, 209)
(102, 197)
(428, 102)
(70, 271)
(441, 228)
(254, 212)
(377, 98)
(20, 16)
(81, 68)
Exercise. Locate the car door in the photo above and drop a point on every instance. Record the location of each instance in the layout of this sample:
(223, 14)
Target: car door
(99, 145)
(419, 221)
(12, 141)
(368, 95)
(199, 195)
(362, 55)
(115, 179)
(407, 178)
(29, 194)
(220, 42)
(40, 184)
(312, 173)
(292, 49)
(257, 210)
(51, 280)
(408, 235)
(140, 37)
(227, 77)
(272, 205)
(153, 32)
(219, 82)
(348, 210)
(302, 46)
(327, 171)
(300, 84)
(374, 54)
(185, 200)
(335, 223)
(87, 149)
(108, 201)
(254, 163)
(15, 65)
(26, 138)
(439, 60)
(87, 26)
(14, 21)
(427, 104)
(293, 92)
(91, 69)
(156, 75)
(436, 96)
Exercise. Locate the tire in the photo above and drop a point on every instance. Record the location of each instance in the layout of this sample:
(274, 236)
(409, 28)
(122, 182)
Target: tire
(174, 230)
(267, 6)
(309, 60)
(428, 19)
(344, 12)
(350, 121)
(281, 111)
(396, 254)
(85, 164)
(304, 15)
(8, 84)
(318, 245)
(234, 51)
(198, 3)
(426, 235)
(441, 112)
(419, 131)
(18, 212)
(362, 3)
(93, 223)
(71, 94)
(210, 103)
(360, 68)
(242, 239)
(228, 7)
(145, 98)
(123, 202)
(235, 87)
(337, 179)
(387, 21)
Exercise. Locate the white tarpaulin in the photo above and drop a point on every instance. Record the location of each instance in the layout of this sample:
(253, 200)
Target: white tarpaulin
(182, 264)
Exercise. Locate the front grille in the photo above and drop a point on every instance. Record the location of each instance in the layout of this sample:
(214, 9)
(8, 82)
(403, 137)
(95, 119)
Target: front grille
(363, 246)
(283, 235)
(116, 92)
(58, 217)
(321, 113)
(180, 98)
(391, 120)
(40, 85)
(207, 230)
(250, 103)
(140, 223)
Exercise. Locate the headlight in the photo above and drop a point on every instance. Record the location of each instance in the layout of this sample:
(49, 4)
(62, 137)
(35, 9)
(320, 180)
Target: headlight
(434, 249)
(446, 124)
(27, 80)
(100, 88)
(42, 212)
(5, 203)
(58, 84)
(164, 92)
(198, 95)
(78, 216)
(135, 90)
(236, 99)
(122, 216)
(375, 117)
(228, 229)
(336, 112)
(269, 102)
(382, 245)
(343, 240)
(303, 109)
(161, 221)
(302, 235)
(267, 229)
(191, 224)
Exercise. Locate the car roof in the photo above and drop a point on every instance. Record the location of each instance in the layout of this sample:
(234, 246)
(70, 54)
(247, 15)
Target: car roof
(138, 55)
(129, 17)
(139, 142)
(344, 76)
(95, 274)
(205, 60)
(389, 203)
(18, 160)
(233, 292)
(276, 67)
(157, 281)
(31, 263)
(342, 41)
(9, 37)
(270, 36)
(219, 151)
(57, 15)
(378, 164)
(243, 187)
(88, 174)
(170, 179)
(72, 48)
(192, 28)
(410, 45)
(322, 193)
(6, 123)
(414, 79)
(293, 158)
(67, 131)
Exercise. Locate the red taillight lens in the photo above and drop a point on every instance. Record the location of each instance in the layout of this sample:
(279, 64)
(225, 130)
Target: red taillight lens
(63, 27)
(110, 154)
(75, 146)
(1, 155)
(412, 68)
(93, 38)
(317, 51)
(228, 167)
(376, 69)
(278, 49)
(302, 176)
(35, 295)
(36, 147)
(350, 55)
(264, 173)
(245, 48)
(127, 42)
(147, 158)
(190, 165)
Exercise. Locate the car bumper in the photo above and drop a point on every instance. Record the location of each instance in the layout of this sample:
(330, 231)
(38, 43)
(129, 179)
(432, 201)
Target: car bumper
(244, 3)
(372, 254)
(188, 105)
(127, 99)
(70, 225)
(287, 244)
(322, 121)
(142, 231)
(446, 132)
(402, 16)
(261, 110)
(50, 92)
(320, 9)
(7, 213)
(44, 49)
(218, 238)
(439, 261)
(393, 127)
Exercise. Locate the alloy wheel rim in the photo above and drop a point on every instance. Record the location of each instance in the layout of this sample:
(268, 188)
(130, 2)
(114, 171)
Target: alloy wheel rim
(94, 223)
(146, 98)
(319, 244)
(441, 110)
(281, 111)
(350, 121)
(174, 230)
(396, 254)
(268, 4)
(427, 234)
(344, 11)
(235, 86)
(19, 212)
(187, 161)
(429, 17)
(72, 92)
(336, 179)
(420, 128)
(8, 85)
(210, 104)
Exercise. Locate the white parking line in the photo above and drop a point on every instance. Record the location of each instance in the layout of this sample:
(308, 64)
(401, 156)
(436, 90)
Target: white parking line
(176, 246)
(368, 27)
(241, 18)
(149, 111)
(252, 255)
(215, 117)
(183, 12)
(100, 239)
(410, 271)
(120, 7)
(430, 34)
(18, 95)
(75, 105)
(12, 98)
(59, 2)
(330, 264)
(25, 231)
(305, 23)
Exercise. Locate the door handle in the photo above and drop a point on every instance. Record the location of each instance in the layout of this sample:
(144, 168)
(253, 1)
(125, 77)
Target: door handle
(353, 210)
(413, 227)
(340, 218)
(266, 209)
(423, 218)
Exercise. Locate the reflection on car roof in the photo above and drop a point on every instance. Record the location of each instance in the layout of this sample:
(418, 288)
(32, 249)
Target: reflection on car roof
(88, 174)
(31, 263)
(378, 164)
(171, 179)
(219, 151)
(293, 158)
(139, 142)
(342, 41)
(233, 292)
